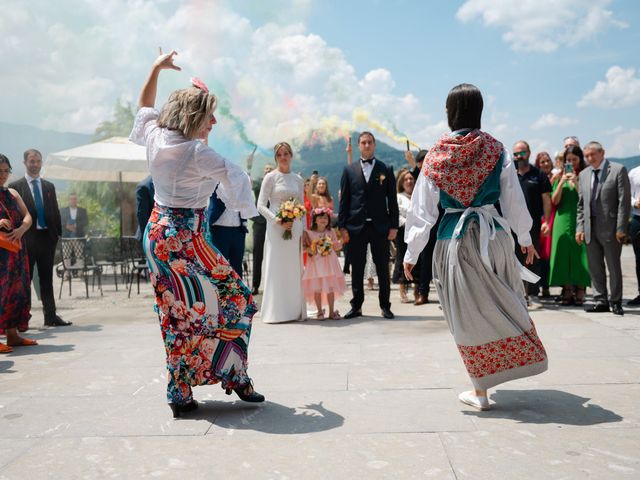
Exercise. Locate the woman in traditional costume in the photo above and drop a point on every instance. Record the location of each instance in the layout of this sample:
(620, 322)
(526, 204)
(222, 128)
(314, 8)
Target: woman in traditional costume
(476, 273)
(205, 309)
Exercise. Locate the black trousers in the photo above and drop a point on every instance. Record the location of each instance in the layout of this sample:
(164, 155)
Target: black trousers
(259, 234)
(230, 243)
(42, 250)
(531, 288)
(426, 263)
(358, 257)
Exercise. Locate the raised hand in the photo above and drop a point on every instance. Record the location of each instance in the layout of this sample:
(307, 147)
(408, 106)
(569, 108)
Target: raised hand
(165, 61)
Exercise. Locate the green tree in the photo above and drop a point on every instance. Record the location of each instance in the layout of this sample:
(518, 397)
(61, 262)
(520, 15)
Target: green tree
(120, 125)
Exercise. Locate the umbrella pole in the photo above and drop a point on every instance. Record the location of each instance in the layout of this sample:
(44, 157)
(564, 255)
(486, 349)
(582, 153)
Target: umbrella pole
(120, 198)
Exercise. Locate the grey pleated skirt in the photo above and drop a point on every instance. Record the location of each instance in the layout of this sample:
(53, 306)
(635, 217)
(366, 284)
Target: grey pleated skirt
(486, 310)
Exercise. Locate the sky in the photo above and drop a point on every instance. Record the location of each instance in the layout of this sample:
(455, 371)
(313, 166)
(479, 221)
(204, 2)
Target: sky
(282, 68)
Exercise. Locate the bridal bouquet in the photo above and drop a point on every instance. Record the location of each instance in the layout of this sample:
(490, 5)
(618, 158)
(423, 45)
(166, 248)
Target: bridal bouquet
(324, 245)
(289, 211)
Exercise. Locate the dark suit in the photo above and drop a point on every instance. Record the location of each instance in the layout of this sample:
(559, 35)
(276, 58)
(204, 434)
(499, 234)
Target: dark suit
(41, 244)
(368, 210)
(259, 234)
(81, 222)
(612, 208)
(144, 204)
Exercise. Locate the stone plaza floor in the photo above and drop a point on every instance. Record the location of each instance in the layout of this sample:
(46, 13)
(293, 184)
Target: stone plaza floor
(364, 398)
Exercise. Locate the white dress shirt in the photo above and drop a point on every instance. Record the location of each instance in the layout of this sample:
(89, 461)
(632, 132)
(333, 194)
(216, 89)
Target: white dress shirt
(423, 212)
(634, 180)
(185, 171)
(367, 168)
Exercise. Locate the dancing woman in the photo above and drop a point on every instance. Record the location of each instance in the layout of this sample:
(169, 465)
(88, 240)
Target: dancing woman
(476, 273)
(205, 309)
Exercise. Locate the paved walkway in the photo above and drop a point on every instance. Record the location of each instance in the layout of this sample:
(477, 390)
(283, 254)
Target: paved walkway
(367, 398)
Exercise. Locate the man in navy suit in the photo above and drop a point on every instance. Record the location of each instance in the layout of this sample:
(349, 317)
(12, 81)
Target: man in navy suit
(40, 198)
(368, 216)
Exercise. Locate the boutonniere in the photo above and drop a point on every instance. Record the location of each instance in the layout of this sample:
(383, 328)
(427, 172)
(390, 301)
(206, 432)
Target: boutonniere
(381, 178)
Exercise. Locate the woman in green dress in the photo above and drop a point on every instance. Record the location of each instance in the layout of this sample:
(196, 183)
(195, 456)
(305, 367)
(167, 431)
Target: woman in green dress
(568, 263)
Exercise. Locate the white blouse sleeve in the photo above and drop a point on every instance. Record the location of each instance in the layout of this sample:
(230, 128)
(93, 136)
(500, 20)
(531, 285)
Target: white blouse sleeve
(144, 123)
(235, 185)
(512, 202)
(421, 217)
(265, 193)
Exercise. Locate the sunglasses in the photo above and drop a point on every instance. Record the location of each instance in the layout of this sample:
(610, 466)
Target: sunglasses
(520, 154)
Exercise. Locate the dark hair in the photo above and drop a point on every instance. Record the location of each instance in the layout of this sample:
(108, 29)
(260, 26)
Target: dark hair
(314, 225)
(30, 151)
(575, 150)
(366, 133)
(327, 193)
(4, 159)
(421, 155)
(464, 107)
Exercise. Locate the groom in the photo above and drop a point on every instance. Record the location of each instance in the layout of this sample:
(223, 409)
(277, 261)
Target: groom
(368, 215)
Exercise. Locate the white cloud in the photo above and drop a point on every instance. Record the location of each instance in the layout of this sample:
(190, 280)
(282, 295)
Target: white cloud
(542, 25)
(625, 144)
(552, 120)
(280, 80)
(621, 89)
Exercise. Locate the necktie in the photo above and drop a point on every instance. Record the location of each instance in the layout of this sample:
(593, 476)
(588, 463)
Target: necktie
(37, 196)
(594, 191)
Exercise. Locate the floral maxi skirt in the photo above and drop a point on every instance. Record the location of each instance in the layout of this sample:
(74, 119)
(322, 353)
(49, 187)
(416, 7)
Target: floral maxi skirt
(204, 308)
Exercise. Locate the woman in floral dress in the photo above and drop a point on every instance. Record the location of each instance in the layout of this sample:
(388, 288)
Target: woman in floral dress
(15, 283)
(205, 309)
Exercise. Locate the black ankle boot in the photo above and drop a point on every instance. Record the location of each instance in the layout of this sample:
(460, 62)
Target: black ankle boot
(253, 397)
(177, 409)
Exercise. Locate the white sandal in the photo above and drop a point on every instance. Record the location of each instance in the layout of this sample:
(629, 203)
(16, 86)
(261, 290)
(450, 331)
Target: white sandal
(475, 401)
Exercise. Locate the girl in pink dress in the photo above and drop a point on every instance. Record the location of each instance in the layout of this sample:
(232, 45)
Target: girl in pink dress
(323, 278)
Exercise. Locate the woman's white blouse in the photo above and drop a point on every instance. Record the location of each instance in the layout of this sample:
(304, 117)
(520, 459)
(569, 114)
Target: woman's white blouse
(185, 171)
(423, 212)
(404, 203)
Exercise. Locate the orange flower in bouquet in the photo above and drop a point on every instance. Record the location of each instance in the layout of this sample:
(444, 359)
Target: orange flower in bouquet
(289, 211)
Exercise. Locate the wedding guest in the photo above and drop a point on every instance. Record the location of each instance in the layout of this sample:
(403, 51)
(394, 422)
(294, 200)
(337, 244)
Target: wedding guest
(259, 232)
(477, 274)
(425, 261)
(571, 140)
(204, 308)
(544, 163)
(15, 288)
(569, 267)
(603, 217)
(322, 197)
(404, 188)
(634, 227)
(323, 280)
(74, 219)
(144, 204)
(282, 256)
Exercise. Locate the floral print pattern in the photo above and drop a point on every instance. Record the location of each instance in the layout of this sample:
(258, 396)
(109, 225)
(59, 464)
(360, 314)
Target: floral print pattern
(204, 308)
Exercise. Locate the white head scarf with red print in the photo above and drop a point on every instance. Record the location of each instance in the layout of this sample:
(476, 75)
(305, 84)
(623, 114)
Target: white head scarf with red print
(459, 164)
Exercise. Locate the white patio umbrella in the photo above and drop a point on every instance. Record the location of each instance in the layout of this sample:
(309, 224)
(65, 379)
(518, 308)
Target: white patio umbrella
(115, 159)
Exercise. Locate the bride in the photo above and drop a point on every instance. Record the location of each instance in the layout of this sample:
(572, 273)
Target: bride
(282, 258)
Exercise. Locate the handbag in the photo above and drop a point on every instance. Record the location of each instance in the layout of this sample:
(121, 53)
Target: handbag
(11, 245)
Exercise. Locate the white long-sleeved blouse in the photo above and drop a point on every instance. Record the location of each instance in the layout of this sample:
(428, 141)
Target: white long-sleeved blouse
(185, 171)
(423, 212)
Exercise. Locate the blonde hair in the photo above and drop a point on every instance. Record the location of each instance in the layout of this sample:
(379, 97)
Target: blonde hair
(188, 111)
(280, 145)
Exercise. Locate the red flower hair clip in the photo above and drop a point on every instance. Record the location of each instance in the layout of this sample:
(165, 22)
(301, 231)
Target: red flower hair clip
(196, 82)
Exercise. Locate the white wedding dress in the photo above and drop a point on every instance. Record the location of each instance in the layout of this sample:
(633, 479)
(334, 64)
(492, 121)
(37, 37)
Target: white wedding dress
(282, 299)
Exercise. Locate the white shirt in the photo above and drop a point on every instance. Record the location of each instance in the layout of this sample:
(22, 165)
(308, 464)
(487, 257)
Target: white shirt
(73, 213)
(367, 168)
(423, 212)
(404, 203)
(185, 171)
(634, 180)
(30, 179)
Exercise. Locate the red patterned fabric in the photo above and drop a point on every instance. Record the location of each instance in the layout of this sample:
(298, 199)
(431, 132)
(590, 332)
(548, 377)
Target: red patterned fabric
(459, 164)
(503, 354)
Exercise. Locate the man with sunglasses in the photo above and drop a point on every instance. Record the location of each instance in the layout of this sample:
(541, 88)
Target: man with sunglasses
(537, 193)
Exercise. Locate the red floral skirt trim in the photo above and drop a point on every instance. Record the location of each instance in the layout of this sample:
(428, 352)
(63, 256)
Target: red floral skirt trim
(503, 354)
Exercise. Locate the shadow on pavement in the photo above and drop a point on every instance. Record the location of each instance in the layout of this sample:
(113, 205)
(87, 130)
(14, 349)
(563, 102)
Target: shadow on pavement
(40, 349)
(269, 417)
(546, 406)
(5, 367)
